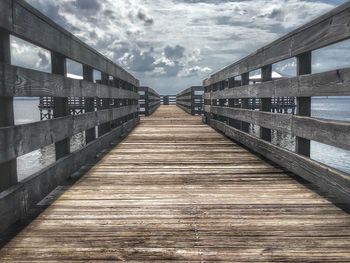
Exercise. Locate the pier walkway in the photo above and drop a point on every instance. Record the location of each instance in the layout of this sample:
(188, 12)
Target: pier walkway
(175, 189)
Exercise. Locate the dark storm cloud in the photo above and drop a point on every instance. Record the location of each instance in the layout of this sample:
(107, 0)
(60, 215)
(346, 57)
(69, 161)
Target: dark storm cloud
(142, 61)
(174, 53)
(144, 17)
(43, 60)
(88, 4)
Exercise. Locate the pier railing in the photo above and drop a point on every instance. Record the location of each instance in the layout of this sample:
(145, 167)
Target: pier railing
(149, 100)
(116, 114)
(168, 99)
(191, 100)
(227, 104)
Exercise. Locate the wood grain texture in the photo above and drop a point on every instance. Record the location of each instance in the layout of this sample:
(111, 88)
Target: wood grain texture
(149, 100)
(331, 132)
(22, 139)
(15, 202)
(190, 101)
(177, 190)
(22, 82)
(331, 83)
(6, 14)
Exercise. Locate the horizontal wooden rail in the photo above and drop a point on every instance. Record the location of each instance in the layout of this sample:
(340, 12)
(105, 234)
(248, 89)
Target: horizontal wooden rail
(168, 99)
(22, 82)
(331, 83)
(149, 100)
(323, 31)
(335, 133)
(231, 101)
(24, 21)
(190, 101)
(15, 202)
(22, 139)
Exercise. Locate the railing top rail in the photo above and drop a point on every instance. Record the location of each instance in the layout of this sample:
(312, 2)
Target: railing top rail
(189, 90)
(24, 21)
(149, 90)
(331, 28)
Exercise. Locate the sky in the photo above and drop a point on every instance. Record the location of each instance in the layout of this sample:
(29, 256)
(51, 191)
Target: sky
(171, 45)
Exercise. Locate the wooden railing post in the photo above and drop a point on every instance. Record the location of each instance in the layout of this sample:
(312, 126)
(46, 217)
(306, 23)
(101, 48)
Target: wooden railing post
(231, 102)
(88, 75)
(193, 111)
(61, 109)
(146, 102)
(244, 102)
(8, 170)
(105, 104)
(265, 105)
(304, 64)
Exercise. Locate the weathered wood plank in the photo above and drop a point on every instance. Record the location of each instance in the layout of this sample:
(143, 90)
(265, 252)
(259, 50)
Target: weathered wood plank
(21, 139)
(8, 176)
(190, 101)
(150, 101)
(323, 31)
(331, 83)
(163, 196)
(16, 202)
(61, 108)
(304, 67)
(22, 82)
(335, 133)
(185, 103)
(266, 104)
(6, 14)
(88, 75)
(245, 81)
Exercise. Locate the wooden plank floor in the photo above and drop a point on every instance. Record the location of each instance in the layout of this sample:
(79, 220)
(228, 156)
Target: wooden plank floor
(177, 190)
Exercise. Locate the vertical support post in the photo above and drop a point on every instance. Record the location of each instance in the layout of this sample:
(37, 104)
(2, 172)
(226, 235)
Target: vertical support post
(231, 103)
(304, 64)
(244, 102)
(61, 108)
(8, 170)
(88, 75)
(104, 127)
(266, 75)
(222, 104)
(193, 112)
(146, 102)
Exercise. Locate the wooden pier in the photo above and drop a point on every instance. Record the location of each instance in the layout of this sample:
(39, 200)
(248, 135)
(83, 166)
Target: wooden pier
(175, 189)
(173, 186)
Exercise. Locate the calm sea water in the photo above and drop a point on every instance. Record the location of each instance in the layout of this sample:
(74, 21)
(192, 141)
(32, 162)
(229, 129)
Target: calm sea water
(26, 111)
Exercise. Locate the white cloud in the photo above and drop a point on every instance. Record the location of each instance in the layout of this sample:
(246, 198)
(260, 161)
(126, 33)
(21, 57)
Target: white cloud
(185, 39)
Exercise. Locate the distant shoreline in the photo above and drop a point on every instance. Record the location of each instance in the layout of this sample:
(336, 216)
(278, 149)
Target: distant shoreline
(26, 98)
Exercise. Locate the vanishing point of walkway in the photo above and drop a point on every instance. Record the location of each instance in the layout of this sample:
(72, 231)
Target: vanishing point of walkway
(175, 189)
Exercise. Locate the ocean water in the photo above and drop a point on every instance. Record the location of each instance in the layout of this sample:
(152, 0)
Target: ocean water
(333, 108)
(26, 111)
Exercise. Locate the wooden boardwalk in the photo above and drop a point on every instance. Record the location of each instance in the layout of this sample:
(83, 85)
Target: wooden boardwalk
(175, 189)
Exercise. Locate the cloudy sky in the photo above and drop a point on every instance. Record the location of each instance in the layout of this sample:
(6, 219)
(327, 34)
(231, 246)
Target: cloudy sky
(172, 44)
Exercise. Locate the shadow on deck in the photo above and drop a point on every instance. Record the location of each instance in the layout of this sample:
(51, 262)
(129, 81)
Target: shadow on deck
(175, 189)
